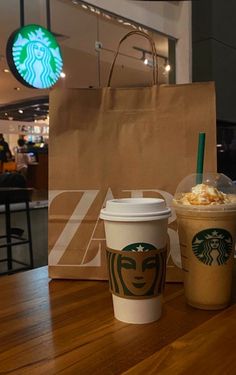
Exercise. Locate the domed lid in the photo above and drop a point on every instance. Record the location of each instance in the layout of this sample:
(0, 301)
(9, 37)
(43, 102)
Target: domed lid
(135, 209)
(208, 191)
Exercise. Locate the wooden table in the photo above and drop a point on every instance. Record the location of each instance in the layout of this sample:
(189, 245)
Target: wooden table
(67, 327)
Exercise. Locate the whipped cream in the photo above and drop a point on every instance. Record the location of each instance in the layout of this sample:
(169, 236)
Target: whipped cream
(203, 194)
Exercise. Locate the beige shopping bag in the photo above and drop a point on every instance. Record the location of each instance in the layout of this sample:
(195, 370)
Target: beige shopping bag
(119, 142)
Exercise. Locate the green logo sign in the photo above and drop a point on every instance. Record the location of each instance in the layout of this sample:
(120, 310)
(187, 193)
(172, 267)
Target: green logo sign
(34, 56)
(138, 271)
(213, 246)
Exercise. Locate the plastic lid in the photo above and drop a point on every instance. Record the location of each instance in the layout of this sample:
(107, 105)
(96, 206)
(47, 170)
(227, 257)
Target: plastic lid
(135, 209)
(207, 191)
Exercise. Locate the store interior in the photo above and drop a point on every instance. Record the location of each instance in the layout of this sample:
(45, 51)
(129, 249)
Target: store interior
(88, 39)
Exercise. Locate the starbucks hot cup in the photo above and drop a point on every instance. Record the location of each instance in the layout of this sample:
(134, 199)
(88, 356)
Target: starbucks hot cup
(136, 237)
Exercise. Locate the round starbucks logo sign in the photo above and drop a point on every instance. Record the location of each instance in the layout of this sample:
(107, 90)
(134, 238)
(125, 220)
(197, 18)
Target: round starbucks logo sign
(213, 246)
(34, 56)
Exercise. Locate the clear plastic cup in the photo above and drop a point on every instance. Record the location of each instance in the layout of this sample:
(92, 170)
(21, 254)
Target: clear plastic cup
(207, 229)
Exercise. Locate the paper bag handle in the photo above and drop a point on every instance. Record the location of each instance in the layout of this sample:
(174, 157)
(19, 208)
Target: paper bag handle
(154, 55)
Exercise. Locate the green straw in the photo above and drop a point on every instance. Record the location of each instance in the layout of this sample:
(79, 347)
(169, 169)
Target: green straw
(200, 156)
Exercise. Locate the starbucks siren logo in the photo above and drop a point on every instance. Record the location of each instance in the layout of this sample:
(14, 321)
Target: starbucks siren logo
(212, 246)
(34, 56)
(139, 247)
(137, 271)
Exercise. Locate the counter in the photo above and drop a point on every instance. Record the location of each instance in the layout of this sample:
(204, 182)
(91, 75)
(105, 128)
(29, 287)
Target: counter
(37, 175)
(67, 327)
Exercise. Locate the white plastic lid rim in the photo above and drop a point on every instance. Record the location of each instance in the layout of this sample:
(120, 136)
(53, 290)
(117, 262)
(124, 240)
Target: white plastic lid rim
(135, 209)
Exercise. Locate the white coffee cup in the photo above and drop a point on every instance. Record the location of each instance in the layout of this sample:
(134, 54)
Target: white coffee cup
(136, 237)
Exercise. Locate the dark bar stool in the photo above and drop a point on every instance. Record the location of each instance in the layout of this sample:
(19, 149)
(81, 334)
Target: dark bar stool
(12, 236)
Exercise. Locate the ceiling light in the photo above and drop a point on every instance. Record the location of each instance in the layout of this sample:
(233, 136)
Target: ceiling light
(148, 62)
(75, 2)
(17, 88)
(63, 75)
(145, 60)
(84, 6)
(167, 67)
(6, 71)
(21, 111)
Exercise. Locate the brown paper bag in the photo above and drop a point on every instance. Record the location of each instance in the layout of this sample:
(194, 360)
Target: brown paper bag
(119, 142)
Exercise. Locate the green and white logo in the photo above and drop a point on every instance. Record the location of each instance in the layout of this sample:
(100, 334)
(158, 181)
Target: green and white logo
(213, 246)
(34, 56)
(138, 271)
(139, 247)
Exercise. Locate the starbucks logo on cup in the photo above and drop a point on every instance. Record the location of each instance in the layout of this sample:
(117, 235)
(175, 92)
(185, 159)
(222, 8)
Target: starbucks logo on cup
(137, 271)
(213, 246)
(139, 247)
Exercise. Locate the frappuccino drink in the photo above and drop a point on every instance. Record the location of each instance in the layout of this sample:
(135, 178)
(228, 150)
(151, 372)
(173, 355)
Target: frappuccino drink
(206, 215)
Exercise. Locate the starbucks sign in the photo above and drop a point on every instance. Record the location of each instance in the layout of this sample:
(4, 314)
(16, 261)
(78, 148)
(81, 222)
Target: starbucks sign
(34, 57)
